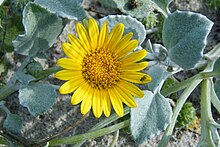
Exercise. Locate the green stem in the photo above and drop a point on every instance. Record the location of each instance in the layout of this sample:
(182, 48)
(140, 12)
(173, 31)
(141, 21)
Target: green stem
(5, 109)
(214, 53)
(168, 133)
(206, 114)
(115, 138)
(7, 90)
(24, 63)
(186, 82)
(89, 135)
(179, 86)
(104, 123)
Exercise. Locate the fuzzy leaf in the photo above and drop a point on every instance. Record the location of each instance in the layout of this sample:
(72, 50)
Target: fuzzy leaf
(137, 9)
(2, 103)
(152, 116)
(1, 2)
(24, 78)
(184, 35)
(14, 28)
(158, 75)
(41, 30)
(217, 88)
(160, 52)
(13, 123)
(108, 3)
(70, 9)
(137, 28)
(216, 68)
(163, 5)
(37, 97)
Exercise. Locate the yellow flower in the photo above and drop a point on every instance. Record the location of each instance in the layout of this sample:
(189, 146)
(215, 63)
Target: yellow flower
(100, 71)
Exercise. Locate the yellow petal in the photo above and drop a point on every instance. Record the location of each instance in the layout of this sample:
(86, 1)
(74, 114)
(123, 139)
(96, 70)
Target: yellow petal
(130, 46)
(71, 52)
(103, 36)
(80, 93)
(67, 74)
(106, 104)
(134, 66)
(71, 85)
(97, 103)
(125, 97)
(83, 35)
(78, 44)
(116, 103)
(136, 77)
(122, 43)
(93, 33)
(134, 57)
(69, 63)
(115, 35)
(131, 88)
(87, 102)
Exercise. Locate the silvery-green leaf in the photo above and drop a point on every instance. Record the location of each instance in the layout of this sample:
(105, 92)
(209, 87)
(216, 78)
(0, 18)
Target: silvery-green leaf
(162, 5)
(158, 75)
(149, 46)
(137, 28)
(13, 123)
(135, 8)
(1, 2)
(37, 97)
(152, 116)
(216, 68)
(2, 103)
(41, 30)
(108, 3)
(160, 52)
(184, 35)
(24, 78)
(70, 9)
(217, 88)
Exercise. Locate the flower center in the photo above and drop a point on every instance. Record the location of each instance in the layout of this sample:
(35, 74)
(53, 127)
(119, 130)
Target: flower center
(100, 69)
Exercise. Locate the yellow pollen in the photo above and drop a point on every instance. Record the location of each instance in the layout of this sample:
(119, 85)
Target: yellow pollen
(100, 69)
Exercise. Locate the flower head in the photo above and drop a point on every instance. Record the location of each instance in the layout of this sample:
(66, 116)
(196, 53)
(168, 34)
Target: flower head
(100, 70)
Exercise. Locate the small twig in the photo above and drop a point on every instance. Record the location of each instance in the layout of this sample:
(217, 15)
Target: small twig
(63, 132)
(173, 104)
(153, 30)
(115, 138)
